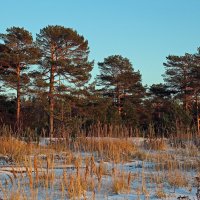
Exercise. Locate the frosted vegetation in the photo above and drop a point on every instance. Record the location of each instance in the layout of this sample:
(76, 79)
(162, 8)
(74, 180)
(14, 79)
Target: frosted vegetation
(99, 168)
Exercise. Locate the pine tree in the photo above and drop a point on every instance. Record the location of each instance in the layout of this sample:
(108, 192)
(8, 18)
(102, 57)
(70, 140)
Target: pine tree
(177, 77)
(182, 77)
(64, 59)
(119, 81)
(17, 53)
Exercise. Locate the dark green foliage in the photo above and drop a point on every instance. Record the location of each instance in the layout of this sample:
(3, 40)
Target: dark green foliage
(17, 50)
(123, 85)
(49, 79)
(65, 49)
(182, 77)
(177, 77)
(160, 91)
(7, 111)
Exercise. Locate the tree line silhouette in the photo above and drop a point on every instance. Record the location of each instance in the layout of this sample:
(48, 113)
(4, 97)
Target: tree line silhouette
(45, 87)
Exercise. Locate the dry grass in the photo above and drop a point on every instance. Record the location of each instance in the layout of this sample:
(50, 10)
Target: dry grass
(161, 194)
(177, 179)
(155, 144)
(91, 172)
(109, 149)
(76, 187)
(15, 149)
(121, 182)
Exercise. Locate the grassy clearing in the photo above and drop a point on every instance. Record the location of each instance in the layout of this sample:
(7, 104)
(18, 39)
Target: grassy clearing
(91, 166)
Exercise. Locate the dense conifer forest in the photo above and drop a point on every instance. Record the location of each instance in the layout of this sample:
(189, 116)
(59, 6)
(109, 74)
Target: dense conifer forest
(46, 89)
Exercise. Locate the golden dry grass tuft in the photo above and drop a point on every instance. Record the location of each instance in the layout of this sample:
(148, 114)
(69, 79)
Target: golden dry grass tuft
(15, 149)
(160, 194)
(109, 149)
(155, 144)
(177, 179)
(121, 182)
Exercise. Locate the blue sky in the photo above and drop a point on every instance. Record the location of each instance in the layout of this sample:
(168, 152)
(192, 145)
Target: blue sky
(145, 31)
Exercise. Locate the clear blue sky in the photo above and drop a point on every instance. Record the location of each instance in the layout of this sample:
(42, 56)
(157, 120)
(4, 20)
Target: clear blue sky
(145, 31)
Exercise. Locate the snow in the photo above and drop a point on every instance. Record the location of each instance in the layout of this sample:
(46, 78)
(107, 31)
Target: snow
(12, 175)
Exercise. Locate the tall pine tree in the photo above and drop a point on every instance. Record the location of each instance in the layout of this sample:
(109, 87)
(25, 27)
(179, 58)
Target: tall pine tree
(64, 59)
(120, 82)
(17, 53)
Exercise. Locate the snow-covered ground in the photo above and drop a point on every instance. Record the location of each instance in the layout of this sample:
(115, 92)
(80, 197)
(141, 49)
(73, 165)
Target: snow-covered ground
(140, 179)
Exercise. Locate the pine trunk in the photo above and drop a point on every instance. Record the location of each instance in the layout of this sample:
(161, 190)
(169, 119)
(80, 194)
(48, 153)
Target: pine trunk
(18, 99)
(51, 96)
(51, 102)
(197, 115)
(185, 103)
